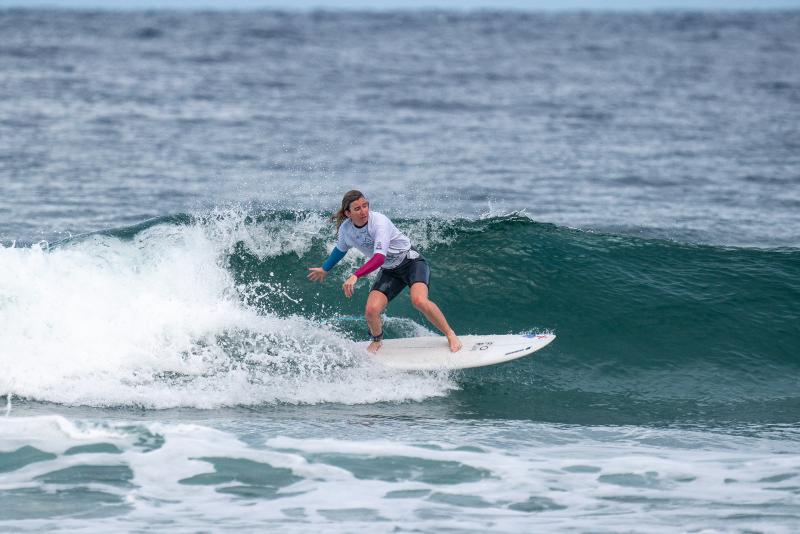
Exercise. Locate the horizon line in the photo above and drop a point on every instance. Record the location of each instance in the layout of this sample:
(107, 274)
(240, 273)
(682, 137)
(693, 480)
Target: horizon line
(408, 5)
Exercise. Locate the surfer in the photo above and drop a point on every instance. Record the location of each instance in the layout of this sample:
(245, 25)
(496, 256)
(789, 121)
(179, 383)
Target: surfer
(390, 250)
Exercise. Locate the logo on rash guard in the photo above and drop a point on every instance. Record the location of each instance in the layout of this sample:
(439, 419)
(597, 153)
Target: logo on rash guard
(363, 238)
(379, 245)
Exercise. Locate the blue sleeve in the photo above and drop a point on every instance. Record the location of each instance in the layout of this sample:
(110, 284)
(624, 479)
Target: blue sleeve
(333, 259)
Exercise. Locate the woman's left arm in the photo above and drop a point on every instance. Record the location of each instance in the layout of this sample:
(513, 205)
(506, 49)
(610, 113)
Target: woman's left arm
(374, 262)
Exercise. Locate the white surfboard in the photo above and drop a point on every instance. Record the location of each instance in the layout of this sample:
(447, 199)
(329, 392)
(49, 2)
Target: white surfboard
(429, 353)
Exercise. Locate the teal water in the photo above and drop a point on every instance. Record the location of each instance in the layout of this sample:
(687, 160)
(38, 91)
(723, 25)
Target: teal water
(657, 320)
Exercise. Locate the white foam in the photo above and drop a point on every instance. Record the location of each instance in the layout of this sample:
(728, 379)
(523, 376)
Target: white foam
(615, 478)
(50, 429)
(157, 321)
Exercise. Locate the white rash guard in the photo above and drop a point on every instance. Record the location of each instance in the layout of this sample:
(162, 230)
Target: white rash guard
(378, 236)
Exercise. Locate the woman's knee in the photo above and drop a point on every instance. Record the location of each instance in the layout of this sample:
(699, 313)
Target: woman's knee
(420, 302)
(373, 309)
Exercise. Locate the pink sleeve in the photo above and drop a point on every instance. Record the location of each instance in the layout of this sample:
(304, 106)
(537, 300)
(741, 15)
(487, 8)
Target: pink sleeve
(374, 262)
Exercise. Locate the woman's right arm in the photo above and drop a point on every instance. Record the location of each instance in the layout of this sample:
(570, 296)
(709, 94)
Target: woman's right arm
(318, 274)
(336, 256)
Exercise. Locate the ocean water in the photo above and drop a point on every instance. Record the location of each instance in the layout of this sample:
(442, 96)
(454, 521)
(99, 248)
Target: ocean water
(629, 182)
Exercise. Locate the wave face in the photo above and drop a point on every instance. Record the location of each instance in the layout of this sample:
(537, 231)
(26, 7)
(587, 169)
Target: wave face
(215, 310)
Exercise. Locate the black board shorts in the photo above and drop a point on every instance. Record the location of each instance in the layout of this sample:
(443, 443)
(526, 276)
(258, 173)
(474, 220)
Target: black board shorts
(391, 282)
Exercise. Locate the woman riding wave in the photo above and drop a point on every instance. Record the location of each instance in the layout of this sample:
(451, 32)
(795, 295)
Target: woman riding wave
(390, 250)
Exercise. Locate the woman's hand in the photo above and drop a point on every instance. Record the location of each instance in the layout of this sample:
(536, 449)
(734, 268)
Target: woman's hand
(350, 285)
(317, 274)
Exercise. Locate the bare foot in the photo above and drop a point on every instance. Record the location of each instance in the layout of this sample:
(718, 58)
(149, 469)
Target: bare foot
(374, 346)
(455, 343)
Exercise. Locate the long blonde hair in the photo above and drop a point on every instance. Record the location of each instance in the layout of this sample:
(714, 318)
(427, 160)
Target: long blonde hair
(349, 198)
